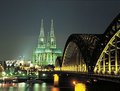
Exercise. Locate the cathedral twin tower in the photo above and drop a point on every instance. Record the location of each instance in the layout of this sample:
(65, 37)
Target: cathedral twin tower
(46, 52)
(50, 41)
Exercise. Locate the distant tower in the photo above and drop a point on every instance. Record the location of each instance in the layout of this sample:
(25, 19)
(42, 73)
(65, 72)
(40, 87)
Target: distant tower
(41, 39)
(52, 36)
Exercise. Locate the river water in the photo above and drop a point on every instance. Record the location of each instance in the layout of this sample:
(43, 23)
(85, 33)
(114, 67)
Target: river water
(32, 87)
(50, 87)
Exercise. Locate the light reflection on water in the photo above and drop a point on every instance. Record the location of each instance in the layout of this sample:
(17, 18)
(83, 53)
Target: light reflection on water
(80, 87)
(27, 87)
(55, 89)
(37, 87)
(97, 86)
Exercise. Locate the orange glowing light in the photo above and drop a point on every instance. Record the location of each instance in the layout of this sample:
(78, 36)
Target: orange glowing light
(74, 82)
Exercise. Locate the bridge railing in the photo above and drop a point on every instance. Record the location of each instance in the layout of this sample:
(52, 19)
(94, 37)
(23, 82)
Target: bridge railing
(72, 68)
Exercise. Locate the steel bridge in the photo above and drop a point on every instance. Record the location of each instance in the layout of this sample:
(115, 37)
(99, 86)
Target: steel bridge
(96, 54)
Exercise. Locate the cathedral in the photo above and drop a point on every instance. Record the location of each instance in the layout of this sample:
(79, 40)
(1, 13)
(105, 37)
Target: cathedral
(46, 51)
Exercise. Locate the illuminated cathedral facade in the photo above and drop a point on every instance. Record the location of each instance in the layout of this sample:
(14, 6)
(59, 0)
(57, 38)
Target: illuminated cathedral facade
(46, 51)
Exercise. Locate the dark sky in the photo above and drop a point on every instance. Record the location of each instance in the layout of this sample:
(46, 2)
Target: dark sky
(20, 22)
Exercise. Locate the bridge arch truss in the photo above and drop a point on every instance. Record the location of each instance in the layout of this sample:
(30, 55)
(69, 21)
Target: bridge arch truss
(78, 52)
(73, 59)
(108, 61)
(94, 53)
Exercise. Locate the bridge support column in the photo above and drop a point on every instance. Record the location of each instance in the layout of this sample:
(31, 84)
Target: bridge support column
(116, 57)
(103, 63)
(109, 60)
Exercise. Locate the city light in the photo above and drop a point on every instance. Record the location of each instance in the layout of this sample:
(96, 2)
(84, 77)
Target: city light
(74, 82)
(3, 73)
(43, 75)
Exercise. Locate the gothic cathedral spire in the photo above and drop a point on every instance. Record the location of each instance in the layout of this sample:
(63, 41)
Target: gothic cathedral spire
(52, 36)
(46, 51)
(41, 40)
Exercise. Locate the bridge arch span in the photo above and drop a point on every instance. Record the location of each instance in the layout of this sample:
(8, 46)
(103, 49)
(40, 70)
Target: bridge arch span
(78, 52)
(98, 53)
(107, 52)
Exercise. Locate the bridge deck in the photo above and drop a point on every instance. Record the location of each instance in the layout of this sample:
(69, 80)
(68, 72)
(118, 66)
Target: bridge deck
(111, 78)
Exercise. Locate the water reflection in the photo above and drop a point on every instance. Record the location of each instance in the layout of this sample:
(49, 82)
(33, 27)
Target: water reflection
(56, 80)
(36, 87)
(98, 86)
(55, 89)
(43, 87)
(30, 87)
(80, 87)
(23, 87)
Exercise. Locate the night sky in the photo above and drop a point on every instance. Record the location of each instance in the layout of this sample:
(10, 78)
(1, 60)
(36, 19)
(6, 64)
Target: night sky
(20, 22)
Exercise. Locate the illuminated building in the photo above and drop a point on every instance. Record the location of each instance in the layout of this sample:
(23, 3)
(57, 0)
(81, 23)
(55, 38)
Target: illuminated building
(46, 51)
